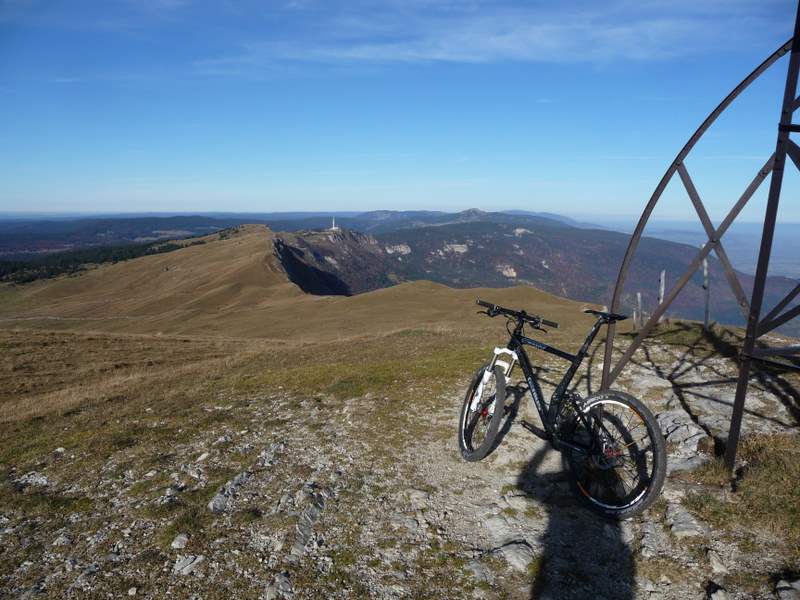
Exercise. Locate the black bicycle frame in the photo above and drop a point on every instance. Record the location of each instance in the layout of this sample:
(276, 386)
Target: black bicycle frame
(516, 344)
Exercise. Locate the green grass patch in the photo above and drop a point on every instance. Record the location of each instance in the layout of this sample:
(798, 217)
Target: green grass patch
(41, 502)
(191, 520)
(248, 515)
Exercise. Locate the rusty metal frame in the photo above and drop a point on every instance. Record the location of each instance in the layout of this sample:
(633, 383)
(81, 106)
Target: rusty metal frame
(750, 310)
(756, 327)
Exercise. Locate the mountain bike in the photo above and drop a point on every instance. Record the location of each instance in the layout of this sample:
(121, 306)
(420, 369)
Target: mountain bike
(612, 443)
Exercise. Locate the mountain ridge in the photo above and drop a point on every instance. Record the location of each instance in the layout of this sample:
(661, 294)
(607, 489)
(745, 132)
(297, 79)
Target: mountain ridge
(235, 286)
(581, 264)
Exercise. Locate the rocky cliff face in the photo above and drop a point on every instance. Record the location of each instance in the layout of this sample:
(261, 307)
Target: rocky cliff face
(337, 262)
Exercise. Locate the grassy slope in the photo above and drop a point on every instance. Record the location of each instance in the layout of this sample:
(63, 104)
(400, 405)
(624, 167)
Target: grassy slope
(139, 354)
(233, 287)
(104, 341)
(136, 360)
(84, 357)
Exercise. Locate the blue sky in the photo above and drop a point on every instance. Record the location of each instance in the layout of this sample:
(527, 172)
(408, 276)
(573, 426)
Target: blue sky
(571, 107)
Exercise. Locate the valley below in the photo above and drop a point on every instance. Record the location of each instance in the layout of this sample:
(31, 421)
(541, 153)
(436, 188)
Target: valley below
(203, 424)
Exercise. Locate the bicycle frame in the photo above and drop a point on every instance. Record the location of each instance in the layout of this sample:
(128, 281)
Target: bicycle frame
(516, 346)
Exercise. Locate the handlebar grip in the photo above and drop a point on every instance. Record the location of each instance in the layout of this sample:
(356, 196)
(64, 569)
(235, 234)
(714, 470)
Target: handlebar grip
(480, 302)
(552, 324)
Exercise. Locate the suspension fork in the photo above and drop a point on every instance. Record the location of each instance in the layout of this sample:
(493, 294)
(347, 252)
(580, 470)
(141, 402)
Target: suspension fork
(488, 373)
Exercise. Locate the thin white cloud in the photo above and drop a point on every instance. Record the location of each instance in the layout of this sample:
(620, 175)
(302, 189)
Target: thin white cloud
(255, 39)
(419, 31)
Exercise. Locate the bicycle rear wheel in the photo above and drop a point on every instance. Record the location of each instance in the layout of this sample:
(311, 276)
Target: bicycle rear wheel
(621, 471)
(481, 413)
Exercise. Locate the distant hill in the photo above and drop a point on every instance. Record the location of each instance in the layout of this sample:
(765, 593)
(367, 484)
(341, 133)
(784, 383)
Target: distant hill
(548, 215)
(385, 221)
(20, 239)
(497, 250)
(235, 286)
(379, 249)
(24, 238)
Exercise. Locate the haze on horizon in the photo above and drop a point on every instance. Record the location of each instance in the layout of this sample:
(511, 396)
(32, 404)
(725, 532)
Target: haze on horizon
(181, 106)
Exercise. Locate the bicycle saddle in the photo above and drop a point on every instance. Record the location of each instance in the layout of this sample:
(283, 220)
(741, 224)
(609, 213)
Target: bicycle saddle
(606, 316)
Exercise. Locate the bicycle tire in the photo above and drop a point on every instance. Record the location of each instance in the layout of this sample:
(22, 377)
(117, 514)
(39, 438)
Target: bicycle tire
(587, 472)
(466, 427)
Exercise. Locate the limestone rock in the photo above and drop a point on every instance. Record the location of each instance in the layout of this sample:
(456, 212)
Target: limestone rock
(280, 587)
(717, 566)
(185, 565)
(788, 591)
(219, 503)
(685, 440)
(31, 480)
(682, 524)
(654, 540)
(498, 527)
(478, 571)
(518, 555)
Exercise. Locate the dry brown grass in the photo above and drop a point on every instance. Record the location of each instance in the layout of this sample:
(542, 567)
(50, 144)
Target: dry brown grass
(43, 372)
(765, 497)
(220, 317)
(233, 287)
(96, 411)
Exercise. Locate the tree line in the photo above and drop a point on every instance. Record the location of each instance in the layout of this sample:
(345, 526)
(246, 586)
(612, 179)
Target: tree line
(75, 261)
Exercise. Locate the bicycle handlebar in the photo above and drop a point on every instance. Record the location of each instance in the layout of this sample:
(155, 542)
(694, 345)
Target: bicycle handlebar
(535, 320)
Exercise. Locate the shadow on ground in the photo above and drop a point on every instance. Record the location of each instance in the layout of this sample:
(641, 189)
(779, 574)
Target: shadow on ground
(580, 554)
(696, 350)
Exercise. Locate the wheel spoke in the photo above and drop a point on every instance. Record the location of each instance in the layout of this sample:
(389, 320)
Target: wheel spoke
(621, 468)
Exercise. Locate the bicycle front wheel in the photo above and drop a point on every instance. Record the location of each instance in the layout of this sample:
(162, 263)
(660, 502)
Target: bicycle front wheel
(617, 464)
(481, 413)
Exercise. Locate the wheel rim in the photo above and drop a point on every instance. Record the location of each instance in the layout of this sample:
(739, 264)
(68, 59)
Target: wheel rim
(618, 473)
(477, 422)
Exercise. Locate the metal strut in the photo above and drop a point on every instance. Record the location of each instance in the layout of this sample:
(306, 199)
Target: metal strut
(754, 327)
(773, 166)
(610, 375)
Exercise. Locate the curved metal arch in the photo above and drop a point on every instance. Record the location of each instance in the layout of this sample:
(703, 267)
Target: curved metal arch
(610, 375)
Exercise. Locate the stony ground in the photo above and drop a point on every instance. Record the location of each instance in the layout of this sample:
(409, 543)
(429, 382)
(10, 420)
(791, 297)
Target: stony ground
(318, 497)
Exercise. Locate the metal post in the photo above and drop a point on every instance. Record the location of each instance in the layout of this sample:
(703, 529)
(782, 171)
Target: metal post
(639, 309)
(662, 278)
(785, 126)
(707, 293)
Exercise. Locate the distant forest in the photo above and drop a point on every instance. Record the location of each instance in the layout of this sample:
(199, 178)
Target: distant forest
(75, 261)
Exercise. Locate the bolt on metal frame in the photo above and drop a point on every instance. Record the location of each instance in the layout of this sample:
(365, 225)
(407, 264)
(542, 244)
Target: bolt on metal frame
(751, 310)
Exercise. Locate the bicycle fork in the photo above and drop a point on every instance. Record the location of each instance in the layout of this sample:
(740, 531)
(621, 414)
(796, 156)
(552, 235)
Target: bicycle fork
(488, 373)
